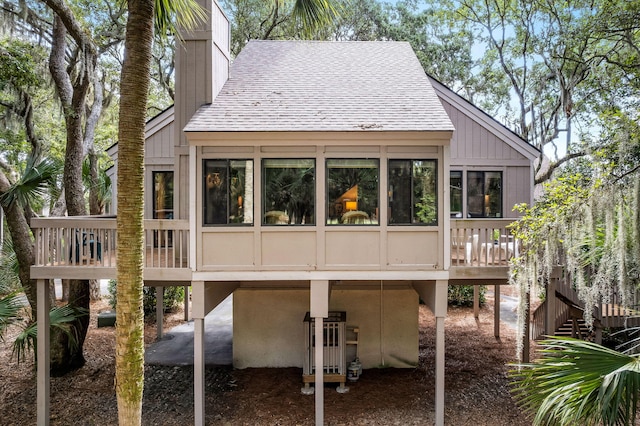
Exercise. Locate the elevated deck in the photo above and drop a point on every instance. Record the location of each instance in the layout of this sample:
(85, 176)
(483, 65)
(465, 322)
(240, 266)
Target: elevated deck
(85, 248)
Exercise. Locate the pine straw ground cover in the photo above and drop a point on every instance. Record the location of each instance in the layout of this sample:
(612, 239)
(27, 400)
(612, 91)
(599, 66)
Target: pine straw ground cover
(477, 391)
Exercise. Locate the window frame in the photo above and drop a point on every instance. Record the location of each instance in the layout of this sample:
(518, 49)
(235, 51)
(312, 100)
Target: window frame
(263, 197)
(154, 203)
(413, 203)
(328, 220)
(484, 195)
(462, 193)
(228, 162)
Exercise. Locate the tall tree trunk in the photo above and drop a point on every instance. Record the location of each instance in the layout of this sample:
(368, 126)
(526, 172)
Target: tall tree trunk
(22, 243)
(134, 85)
(95, 208)
(73, 97)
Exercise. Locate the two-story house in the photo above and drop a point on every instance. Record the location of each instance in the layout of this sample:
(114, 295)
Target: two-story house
(320, 183)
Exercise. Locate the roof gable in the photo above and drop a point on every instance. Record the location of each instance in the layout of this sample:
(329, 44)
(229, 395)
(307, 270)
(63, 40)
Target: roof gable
(324, 86)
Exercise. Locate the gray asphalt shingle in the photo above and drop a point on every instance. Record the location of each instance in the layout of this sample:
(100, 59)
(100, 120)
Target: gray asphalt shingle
(324, 86)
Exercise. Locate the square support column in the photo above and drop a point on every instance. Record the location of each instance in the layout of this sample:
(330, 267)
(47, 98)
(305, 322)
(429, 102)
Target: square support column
(496, 311)
(159, 312)
(43, 339)
(198, 361)
(319, 310)
(441, 313)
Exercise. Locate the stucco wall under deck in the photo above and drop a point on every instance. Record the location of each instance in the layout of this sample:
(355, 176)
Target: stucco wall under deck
(268, 324)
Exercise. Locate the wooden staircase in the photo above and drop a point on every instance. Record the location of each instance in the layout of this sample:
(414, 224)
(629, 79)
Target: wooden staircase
(567, 315)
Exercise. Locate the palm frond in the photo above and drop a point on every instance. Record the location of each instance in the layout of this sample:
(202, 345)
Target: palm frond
(576, 382)
(60, 317)
(33, 183)
(9, 267)
(313, 14)
(10, 306)
(170, 15)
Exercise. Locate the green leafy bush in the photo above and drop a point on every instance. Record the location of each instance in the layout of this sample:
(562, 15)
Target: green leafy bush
(173, 297)
(462, 295)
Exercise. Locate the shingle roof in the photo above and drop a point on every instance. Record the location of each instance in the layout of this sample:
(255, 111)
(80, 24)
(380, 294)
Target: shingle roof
(324, 86)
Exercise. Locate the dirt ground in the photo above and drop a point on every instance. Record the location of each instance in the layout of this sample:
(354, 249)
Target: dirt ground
(477, 388)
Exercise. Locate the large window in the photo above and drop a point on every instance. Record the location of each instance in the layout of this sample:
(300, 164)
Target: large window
(352, 191)
(413, 192)
(455, 193)
(288, 191)
(228, 192)
(484, 194)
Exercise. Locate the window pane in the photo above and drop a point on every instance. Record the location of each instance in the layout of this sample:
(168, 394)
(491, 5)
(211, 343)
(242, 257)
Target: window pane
(484, 194)
(425, 200)
(475, 194)
(493, 194)
(163, 195)
(412, 192)
(227, 185)
(352, 191)
(400, 191)
(455, 191)
(288, 191)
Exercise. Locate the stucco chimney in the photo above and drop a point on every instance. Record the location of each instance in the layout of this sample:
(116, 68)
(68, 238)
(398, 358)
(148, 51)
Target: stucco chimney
(202, 67)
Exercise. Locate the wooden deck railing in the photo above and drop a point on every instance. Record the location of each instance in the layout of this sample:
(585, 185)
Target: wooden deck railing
(91, 241)
(482, 242)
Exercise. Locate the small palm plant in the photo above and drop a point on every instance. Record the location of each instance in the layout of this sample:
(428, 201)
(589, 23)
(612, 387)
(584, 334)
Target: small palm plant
(61, 318)
(10, 307)
(578, 382)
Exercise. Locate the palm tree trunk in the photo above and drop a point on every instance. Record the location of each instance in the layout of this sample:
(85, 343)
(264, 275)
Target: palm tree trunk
(134, 86)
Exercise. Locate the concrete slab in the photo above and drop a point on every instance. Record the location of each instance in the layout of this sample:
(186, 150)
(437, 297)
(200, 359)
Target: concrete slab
(176, 348)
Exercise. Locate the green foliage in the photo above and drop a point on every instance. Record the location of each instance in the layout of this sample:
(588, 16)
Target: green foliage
(170, 15)
(9, 268)
(462, 295)
(427, 209)
(10, 306)
(577, 382)
(173, 297)
(61, 318)
(33, 184)
(18, 66)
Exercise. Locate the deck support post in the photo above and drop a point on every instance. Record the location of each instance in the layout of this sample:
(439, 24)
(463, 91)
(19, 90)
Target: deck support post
(440, 313)
(319, 303)
(159, 312)
(476, 301)
(496, 311)
(43, 351)
(198, 361)
(187, 296)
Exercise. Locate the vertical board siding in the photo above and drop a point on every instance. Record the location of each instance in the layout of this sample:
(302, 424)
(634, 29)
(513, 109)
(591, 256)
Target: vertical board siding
(473, 141)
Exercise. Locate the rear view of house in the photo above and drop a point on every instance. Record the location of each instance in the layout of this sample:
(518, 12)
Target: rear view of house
(329, 186)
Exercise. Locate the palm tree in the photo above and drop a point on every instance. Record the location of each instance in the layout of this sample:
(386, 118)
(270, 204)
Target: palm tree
(577, 382)
(134, 85)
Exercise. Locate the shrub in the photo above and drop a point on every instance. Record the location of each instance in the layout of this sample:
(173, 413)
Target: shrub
(173, 297)
(462, 295)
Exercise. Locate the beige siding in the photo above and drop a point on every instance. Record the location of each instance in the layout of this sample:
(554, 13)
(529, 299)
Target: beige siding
(159, 146)
(471, 141)
(517, 188)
